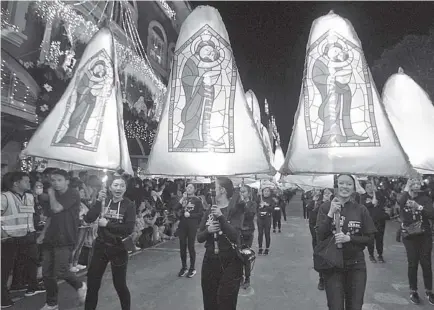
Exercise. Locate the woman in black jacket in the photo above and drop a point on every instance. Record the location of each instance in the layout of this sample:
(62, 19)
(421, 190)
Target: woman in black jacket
(345, 288)
(263, 220)
(248, 229)
(416, 210)
(376, 205)
(117, 220)
(222, 270)
(313, 207)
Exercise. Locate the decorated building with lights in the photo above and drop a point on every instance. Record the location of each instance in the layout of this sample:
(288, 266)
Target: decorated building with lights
(43, 40)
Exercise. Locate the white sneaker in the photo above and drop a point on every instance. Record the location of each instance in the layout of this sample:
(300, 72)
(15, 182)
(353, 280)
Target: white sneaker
(74, 269)
(81, 267)
(82, 293)
(47, 307)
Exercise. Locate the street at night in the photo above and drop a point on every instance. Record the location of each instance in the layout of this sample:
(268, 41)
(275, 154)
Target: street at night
(283, 280)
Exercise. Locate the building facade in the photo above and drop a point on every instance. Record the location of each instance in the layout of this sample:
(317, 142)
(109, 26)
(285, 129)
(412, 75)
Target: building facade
(28, 46)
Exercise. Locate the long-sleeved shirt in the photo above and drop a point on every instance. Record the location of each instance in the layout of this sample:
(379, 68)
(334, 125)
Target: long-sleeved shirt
(313, 208)
(355, 221)
(249, 216)
(194, 206)
(121, 218)
(377, 212)
(231, 223)
(409, 216)
(265, 210)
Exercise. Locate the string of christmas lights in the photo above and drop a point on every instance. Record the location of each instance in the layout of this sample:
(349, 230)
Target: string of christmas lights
(136, 130)
(5, 25)
(26, 163)
(169, 12)
(83, 31)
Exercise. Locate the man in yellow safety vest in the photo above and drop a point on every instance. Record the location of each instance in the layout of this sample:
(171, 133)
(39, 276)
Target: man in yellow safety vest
(18, 234)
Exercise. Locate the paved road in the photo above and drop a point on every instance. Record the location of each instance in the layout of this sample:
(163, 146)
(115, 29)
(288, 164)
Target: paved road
(283, 280)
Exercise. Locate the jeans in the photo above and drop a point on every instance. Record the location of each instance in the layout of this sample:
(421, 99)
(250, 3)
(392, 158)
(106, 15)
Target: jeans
(56, 266)
(101, 256)
(419, 250)
(277, 220)
(264, 226)
(221, 275)
(247, 240)
(345, 289)
(187, 237)
(25, 249)
(378, 240)
(82, 233)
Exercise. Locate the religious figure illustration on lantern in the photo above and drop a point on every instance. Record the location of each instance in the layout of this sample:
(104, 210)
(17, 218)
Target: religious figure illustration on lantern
(202, 97)
(338, 95)
(82, 122)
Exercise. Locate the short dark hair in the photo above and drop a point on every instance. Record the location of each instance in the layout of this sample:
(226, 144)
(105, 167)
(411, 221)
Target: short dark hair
(10, 178)
(227, 184)
(61, 172)
(82, 173)
(49, 170)
(75, 183)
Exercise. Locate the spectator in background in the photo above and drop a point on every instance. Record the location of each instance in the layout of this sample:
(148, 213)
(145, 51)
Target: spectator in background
(82, 232)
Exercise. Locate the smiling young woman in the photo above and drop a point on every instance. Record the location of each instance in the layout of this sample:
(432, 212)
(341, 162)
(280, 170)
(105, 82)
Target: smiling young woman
(116, 222)
(345, 288)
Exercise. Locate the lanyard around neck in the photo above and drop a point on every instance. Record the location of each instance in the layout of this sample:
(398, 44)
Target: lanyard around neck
(109, 204)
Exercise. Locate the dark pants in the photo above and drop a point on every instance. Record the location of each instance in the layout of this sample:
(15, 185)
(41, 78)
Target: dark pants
(247, 240)
(264, 226)
(55, 266)
(305, 212)
(187, 237)
(277, 220)
(118, 258)
(378, 239)
(345, 289)
(314, 243)
(221, 281)
(24, 251)
(284, 211)
(419, 250)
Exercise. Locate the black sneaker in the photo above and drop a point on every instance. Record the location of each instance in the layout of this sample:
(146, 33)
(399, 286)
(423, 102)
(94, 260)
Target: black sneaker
(7, 304)
(17, 288)
(430, 297)
(321, 285)
(274, 230)
(32, 292)
(381, 259)
(191, 273)
(280, 231)
(414, 298)
(372, 259)
(246, 283)
(260, 252)
(266, 251)
(183, 272)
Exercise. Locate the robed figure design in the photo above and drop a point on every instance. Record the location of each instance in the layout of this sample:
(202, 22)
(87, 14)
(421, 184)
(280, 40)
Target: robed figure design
(203, 97)
(339, 94)
(82, 123)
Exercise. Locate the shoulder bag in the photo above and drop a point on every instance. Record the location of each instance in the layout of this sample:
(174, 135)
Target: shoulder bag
(327, 256)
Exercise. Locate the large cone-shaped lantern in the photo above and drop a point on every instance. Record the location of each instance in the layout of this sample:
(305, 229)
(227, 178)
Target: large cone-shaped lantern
(412, 116)
(317, 181)
(340, 125)
(253, 104)
(86, 125)
(206, 128)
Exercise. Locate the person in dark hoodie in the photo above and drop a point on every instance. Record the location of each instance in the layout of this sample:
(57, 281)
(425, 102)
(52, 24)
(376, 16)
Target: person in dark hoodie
(279, 205)
(190, 212)
(313, 207)
(376, 205)
(416, 210)
(116, 222)
(248, 228)
(220, 228)
(265, 209)
(345, 287)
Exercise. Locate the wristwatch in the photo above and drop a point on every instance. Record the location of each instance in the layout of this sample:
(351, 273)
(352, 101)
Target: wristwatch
(419, 208)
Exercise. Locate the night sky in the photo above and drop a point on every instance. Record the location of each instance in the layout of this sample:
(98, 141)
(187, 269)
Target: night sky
(269, 42)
